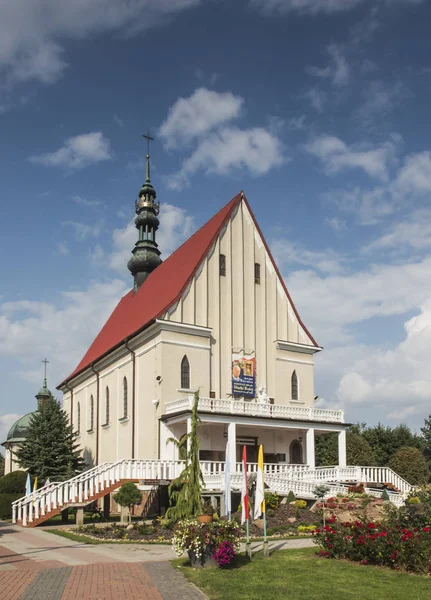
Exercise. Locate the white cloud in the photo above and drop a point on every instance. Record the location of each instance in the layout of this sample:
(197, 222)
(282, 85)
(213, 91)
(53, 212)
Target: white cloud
(338, 71)
(332, 303)
(63, 249)
(337, 156)
(31, 31)
(198, 114)
(398, 379)
(317, 98)
(289, 253)
(336, 223)
(254, 149)
(412, 232)
(84, 231)
(318, 6)
(78, 315)
(78, 152)
(306, 6)
(85, 202)
(175, 227)
(415, 174)
(380, 98)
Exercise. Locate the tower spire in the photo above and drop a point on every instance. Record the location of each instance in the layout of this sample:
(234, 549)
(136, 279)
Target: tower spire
(146, 255)
(44, 394)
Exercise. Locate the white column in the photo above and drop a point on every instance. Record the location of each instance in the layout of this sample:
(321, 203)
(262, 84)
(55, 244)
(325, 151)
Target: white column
(309, 447)
(189, 428)
(231, 440)
(342, 456)
(167, 449)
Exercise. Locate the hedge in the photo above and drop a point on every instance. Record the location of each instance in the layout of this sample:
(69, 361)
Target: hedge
(13, 483)
(6, 504)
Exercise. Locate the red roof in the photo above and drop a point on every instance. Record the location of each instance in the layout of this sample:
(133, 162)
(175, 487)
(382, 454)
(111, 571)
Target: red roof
(162, 289)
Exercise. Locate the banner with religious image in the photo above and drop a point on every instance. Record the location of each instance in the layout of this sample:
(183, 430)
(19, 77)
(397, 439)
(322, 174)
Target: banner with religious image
(243, 375)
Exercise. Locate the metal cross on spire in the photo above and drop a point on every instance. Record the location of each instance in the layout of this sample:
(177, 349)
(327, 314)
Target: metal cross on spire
(148, 137)
(46, 362)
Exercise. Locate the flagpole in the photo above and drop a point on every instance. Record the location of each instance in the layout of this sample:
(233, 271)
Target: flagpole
(265, 541)
(248, 543)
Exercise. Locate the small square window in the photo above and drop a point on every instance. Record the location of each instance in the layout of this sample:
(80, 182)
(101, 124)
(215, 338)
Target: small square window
(222, 265)
(256, 273)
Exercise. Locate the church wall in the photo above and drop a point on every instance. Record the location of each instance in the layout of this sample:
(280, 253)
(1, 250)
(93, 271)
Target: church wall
(245, 315)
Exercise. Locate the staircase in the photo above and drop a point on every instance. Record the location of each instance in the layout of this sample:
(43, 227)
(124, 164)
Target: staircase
(50, 500)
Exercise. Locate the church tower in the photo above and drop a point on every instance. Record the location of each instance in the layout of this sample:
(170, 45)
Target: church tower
(146, 254)
(44, 393)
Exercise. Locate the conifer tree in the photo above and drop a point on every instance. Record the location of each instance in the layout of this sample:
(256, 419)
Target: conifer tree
(185, 491)
(50, 449)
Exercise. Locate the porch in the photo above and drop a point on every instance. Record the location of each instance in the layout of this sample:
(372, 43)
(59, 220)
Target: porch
(286, 441)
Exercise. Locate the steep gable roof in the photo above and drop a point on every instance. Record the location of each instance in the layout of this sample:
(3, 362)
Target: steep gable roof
(164, 287)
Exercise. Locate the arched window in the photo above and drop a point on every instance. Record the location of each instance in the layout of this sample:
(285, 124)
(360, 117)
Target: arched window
(124, 397)
(78, 418)
(295, 453)
(106, 405)
(91, 413)
(185, 373)
(294, 386)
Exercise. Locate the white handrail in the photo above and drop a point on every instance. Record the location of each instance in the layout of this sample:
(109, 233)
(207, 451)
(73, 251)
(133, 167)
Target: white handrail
(85, 487)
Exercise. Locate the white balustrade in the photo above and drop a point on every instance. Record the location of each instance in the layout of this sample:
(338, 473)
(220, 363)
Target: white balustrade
(280, 477)
(256, 409)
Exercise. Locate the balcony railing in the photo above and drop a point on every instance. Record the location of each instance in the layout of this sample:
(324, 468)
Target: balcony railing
(256, 409)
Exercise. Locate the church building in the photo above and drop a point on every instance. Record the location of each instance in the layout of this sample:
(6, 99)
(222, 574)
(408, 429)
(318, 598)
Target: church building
(216, 317)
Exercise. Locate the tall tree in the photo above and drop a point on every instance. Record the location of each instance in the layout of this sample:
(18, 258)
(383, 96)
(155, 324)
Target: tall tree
(426, 433)
(410, 463)
(185, 491)
(358, 450)
(50, 449)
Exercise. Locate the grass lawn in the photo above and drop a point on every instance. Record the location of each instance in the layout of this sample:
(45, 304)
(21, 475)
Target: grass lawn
(301, 575)
(75, 537)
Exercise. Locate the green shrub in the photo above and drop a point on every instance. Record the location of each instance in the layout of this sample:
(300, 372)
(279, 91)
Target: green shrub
(270, 512)
(411, 464)
(385, 495)
(13, 483)
(272, 500)
(300, 504)
(6, 504)
(306, 528)
(290, 497)
(413, 500)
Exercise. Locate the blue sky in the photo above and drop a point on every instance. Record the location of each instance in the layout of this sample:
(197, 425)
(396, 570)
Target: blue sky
(318, 109)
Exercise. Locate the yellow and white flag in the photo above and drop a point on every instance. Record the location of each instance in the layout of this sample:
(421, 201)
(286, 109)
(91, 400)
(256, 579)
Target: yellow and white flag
(259, 499)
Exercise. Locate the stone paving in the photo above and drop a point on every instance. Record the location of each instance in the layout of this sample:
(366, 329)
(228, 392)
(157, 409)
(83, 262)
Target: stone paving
(37, 565)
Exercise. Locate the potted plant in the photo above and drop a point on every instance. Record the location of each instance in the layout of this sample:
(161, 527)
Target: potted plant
(207, 513)
(207, 544)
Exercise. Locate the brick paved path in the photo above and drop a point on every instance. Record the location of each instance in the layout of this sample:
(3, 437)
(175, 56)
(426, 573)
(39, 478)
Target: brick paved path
(36, 565)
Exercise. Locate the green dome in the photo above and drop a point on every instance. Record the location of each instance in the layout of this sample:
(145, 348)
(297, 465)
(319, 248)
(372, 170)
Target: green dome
(18, 431)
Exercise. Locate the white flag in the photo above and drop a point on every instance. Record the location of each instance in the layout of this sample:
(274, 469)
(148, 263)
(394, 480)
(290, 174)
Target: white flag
(28, 485)
(227, 494)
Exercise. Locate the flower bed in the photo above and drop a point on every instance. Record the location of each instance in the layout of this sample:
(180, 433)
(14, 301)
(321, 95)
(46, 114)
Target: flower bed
(218, 540)
(377, 543)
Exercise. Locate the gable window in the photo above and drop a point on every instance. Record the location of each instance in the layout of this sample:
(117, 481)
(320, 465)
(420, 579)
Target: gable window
(91, 413)
(222, 265)
(256, 273)
(185, 373)
(78, 419)
(106, 405)
(124, 398)
(294, 386)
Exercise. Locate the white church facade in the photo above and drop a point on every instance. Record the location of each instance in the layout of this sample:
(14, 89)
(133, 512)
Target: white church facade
(216, 317)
